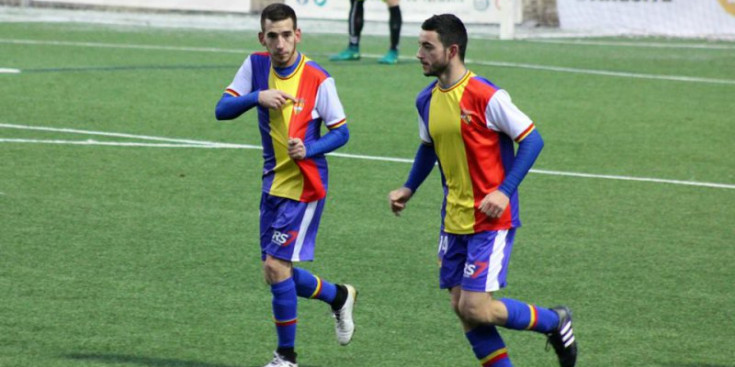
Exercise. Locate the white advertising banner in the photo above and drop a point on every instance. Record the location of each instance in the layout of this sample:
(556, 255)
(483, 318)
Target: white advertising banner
(239, 6)
(682, 18)
(470, 11)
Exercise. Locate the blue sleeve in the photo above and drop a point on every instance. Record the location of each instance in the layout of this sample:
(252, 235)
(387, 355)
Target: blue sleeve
(528, 150)
(423, 163)
(230, 107)
(329, 142)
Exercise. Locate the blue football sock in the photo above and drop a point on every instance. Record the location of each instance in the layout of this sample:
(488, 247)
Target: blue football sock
(523, 316)
(309, 285)
(285, 312)
(488, 346)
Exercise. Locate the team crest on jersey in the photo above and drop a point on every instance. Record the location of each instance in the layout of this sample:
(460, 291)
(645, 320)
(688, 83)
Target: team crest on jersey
(466, 117)
(298, 106)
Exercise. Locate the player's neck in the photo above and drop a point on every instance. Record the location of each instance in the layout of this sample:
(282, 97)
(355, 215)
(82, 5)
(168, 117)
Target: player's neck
(452, 75)
(288, 64)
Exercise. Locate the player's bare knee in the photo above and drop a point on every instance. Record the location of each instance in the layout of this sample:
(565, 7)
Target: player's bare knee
(275, 270)
(470, 312)
(478, 313)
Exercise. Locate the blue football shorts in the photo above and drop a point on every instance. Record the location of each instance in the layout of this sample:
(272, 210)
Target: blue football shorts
(288, 227)
(478, 262)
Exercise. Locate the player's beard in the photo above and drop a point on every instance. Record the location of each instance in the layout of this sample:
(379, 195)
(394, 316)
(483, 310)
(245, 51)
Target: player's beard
(436, 69)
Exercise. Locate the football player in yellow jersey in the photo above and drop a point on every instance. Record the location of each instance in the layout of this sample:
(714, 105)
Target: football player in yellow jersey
(470, 126)
(294, 97)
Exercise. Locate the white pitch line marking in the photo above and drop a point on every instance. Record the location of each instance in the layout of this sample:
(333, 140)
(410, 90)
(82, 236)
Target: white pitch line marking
(677, 78)
(9, 71)
(91, 142)
(605, 72)
(185, 143)
(636, 44)
(102, 133)
(123, 46)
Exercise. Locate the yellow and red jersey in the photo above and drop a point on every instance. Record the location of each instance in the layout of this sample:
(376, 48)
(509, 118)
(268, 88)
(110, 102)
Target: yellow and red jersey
(472, 126)
(317, 102)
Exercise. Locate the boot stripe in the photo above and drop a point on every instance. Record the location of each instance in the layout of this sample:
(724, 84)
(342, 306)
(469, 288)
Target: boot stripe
(566, 327)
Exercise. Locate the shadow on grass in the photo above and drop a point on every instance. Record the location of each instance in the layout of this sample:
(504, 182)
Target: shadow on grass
(150, 361)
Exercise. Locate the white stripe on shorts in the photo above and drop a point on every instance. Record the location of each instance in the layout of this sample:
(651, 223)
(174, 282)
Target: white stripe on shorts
(496, 261)
(303, 229)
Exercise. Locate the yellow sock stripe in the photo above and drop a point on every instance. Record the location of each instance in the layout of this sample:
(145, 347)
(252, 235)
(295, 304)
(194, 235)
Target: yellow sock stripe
(494, 356)
(318, 287)
(533, 319)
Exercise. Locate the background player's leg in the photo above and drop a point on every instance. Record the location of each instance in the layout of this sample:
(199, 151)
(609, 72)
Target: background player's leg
(355, 24)
(356, 21)
(395, 21)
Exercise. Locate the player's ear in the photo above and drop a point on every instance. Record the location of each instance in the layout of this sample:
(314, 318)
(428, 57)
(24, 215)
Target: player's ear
(297, 35)
(261, 38)
(453, 51)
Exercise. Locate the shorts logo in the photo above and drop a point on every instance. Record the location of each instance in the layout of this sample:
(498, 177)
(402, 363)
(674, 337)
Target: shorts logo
(284, 239)
(474, 270)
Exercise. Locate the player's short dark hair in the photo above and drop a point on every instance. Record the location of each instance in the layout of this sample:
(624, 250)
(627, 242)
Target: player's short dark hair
(450, 29)
(277, 12)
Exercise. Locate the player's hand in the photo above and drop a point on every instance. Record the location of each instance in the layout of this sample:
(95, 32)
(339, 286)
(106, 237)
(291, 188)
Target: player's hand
(494, 204)
(274, 98)
(398, 199)
(296, 149)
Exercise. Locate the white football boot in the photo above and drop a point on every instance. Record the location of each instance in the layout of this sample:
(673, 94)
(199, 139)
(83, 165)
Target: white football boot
(278, 361)
(344, 325)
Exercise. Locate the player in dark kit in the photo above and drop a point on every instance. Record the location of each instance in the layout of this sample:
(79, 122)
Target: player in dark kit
(355, 20)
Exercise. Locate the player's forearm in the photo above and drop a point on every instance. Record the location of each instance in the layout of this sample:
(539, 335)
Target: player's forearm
(230, 107)
(423, 163)
(528, 150)
(331, 141)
